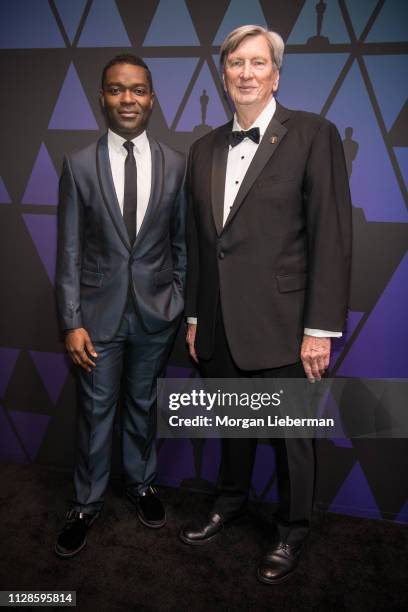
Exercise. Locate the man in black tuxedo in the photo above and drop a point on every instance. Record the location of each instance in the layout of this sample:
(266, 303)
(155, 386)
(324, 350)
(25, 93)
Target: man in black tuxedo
(268, 243)
(120, 290)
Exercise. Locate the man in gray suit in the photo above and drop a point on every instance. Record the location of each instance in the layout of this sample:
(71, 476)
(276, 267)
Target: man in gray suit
(120, 282)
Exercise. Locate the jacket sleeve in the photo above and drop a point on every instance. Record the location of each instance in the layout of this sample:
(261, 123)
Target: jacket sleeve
(69, 251)
(192, 247)
(329, 233)
(178, 238)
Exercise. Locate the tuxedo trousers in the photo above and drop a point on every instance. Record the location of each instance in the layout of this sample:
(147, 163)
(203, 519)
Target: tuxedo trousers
(126, 371)
(295, 457)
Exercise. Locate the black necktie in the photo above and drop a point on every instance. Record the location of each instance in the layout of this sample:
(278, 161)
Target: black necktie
(234, 138)
(130, 192)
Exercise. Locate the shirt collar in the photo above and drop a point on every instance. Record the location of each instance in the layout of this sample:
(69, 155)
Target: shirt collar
(116, 142)
(262, 121)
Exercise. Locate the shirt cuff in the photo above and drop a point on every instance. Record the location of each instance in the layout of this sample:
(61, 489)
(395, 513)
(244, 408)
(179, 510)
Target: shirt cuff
(192, 320)
(322, 333)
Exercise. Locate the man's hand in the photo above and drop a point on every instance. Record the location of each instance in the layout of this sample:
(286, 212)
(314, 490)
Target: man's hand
(190, 339)
(315, 356)
(79, 346)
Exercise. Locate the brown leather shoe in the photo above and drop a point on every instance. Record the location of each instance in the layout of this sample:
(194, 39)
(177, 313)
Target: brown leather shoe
(279, 563)
(204, 533)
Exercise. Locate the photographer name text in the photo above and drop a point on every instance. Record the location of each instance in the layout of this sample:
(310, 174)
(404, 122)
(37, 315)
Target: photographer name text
(247, 423)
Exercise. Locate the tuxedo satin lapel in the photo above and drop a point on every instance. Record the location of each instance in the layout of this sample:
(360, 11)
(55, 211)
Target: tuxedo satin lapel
(156, 190)
(218, 171)
(269, 144)
(108, 189)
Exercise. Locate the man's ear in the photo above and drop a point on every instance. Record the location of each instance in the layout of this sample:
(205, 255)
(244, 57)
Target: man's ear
(101, 99)
(223, 81)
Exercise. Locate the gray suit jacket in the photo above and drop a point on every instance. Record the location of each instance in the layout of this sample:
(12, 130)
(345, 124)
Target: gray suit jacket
(96, 264)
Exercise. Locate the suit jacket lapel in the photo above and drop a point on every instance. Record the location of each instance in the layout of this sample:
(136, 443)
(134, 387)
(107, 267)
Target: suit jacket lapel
(108, 189)
(218, 171)
(156, 190)
(270, 142)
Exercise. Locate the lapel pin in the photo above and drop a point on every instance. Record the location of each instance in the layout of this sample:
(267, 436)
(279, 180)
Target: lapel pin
(274, 139)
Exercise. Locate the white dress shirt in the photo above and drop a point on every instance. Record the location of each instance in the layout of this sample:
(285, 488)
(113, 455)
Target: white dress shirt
(143, 159)
(240, 156)
(238, 161)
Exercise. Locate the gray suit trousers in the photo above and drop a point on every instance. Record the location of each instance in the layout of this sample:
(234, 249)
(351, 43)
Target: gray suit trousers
(127, 368)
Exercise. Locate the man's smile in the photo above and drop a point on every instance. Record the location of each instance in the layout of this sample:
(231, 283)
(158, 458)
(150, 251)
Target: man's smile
(128, 114)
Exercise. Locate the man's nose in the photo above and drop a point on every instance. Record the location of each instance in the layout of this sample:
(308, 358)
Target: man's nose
(127, 97)
(246, 72)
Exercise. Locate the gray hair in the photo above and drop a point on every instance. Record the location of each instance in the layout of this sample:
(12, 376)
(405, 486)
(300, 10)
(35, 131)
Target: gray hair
(235, 38)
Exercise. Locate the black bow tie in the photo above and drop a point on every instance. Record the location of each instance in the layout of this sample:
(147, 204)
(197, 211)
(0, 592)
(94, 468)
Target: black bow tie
(234, 138)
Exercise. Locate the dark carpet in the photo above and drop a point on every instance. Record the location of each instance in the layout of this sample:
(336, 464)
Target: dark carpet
(348, 563)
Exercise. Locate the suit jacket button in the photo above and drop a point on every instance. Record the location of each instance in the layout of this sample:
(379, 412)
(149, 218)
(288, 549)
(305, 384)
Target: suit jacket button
(221, 255)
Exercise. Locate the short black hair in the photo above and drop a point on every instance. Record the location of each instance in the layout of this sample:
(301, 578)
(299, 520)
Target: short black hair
(127, 58)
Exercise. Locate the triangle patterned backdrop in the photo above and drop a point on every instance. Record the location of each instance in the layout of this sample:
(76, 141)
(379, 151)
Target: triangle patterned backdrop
(52, 53)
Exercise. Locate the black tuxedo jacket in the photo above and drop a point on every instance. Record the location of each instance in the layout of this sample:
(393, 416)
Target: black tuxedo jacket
(282, 260)
(96, 265)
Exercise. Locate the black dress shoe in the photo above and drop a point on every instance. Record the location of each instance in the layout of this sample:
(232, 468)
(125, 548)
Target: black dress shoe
(150, 510)
(278, 563)
(72, 538)
(205, 533)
